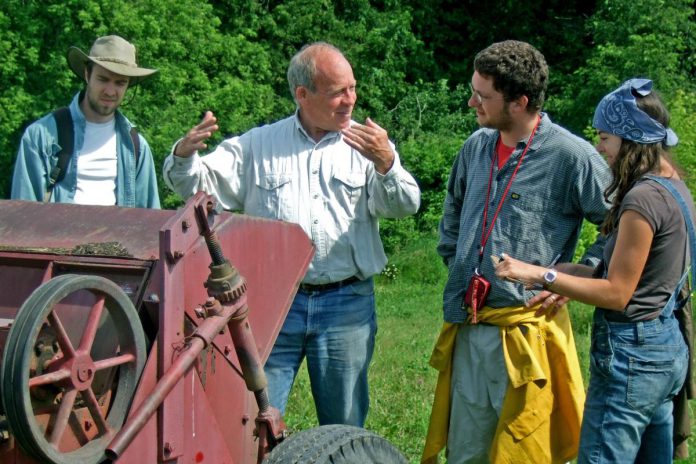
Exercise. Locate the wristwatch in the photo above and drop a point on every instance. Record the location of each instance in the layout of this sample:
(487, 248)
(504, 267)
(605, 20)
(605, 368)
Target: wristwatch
(550, 277)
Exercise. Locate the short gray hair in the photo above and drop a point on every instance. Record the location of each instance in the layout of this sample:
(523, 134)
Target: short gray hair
(303, 67)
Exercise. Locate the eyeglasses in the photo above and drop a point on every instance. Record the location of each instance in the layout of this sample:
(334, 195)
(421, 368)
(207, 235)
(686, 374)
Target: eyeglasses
(478, 98)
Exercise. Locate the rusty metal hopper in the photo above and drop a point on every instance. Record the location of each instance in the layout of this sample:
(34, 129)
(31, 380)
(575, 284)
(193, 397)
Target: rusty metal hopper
(98, 304)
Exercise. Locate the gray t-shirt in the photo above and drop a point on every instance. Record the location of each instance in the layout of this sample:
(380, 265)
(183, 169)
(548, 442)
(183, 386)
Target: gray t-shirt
(668, 253)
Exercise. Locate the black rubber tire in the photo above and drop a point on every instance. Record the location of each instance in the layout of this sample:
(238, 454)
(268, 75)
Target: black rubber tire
(335, 444)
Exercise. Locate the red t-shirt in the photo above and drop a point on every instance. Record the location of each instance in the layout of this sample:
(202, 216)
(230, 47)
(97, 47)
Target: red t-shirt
(503, 152)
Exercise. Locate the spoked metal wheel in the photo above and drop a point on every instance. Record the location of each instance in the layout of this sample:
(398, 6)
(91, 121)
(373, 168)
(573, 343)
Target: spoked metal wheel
(70, 366)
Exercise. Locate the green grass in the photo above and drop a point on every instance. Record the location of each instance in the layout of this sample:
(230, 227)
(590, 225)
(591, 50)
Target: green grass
(402, 384)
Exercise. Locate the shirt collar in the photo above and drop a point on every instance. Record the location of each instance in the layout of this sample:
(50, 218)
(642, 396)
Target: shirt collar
(542, 131)
(299, 127)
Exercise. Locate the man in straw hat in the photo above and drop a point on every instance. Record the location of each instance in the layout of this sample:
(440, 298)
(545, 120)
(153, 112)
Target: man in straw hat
(104, 160)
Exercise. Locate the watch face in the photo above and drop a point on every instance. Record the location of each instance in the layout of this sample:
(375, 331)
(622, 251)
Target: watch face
(550, 276)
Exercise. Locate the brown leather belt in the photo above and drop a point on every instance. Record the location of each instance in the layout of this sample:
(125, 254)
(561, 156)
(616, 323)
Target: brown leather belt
(308, 288)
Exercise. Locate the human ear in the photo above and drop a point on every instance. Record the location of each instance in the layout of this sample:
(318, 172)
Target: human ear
(520, 103)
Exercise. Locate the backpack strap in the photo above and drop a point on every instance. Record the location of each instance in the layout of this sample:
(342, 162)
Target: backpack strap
(66, 139)
(136, 144)
(692, 240)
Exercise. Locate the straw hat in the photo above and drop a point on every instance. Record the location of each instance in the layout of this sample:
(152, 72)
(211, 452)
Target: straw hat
(113, 53)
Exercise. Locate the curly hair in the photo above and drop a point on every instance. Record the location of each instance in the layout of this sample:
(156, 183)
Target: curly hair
(517, 69)
(635, 159)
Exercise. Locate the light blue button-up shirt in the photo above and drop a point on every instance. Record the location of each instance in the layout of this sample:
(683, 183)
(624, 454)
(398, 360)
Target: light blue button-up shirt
(334, 193)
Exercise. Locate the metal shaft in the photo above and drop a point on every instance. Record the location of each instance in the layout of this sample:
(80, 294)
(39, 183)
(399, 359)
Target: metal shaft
(204, 335)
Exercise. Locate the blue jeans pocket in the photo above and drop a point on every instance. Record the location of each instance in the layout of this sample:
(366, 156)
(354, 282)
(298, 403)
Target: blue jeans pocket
(649, 383)
(363, 288)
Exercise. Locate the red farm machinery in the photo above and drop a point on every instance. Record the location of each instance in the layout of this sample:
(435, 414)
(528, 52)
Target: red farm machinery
(139, 336)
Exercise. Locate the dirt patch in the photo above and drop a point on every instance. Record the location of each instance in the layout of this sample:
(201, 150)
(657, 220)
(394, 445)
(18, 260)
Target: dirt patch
(84, 249)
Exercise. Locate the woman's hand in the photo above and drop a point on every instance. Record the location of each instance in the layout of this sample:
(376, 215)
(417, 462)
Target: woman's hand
(509, 268)
(550, 303)
(531, 277)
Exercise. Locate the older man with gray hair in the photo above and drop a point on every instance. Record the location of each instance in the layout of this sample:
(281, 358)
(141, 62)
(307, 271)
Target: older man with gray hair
(334, 177)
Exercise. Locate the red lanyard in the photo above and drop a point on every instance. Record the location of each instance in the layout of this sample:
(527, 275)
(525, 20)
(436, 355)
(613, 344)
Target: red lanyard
(485, 235)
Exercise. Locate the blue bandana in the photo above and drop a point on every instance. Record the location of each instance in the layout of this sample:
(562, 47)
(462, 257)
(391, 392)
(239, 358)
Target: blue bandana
(618, 114)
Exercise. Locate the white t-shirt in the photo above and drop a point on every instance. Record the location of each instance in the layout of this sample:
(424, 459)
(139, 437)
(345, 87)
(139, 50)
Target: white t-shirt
(96, 165)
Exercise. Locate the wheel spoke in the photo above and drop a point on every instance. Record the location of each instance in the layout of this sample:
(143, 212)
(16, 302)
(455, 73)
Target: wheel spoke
(92, 325)
(62, 417)
(113, 362)
(48, 392)
(93, 406)
(62, 335)
(51, 377)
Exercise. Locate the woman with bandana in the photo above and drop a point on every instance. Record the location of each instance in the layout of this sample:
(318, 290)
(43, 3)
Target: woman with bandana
(638, 355)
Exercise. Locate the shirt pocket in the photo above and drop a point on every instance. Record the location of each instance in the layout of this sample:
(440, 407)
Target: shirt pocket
(349, 189)
(524, 219)
(273, 196)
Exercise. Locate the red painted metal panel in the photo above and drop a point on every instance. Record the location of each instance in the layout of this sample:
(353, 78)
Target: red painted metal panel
(63, 227)
(209, 416)
(144, 447)
(272, 256)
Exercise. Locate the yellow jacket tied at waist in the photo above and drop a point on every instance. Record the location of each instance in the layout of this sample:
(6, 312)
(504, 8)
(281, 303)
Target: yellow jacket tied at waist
(541, 415)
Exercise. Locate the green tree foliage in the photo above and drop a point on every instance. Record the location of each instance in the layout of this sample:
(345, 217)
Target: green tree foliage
(631, 38)
(683, 109)
(200, 68)
(455, 30)
(432, 123)
(386, 56)
(412, 61)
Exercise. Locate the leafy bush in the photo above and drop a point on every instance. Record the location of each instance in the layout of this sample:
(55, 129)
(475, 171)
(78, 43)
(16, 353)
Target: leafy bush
(682, 107)
(411, 59)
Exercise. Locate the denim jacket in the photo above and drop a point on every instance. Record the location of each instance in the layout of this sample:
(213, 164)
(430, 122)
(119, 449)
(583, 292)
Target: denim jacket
(136, 186)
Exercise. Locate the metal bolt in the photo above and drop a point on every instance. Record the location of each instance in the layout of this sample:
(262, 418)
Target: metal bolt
(178, 254)
(200, 312)
(185, 225)
(39, 347)
(228, 350)
(245, 419)
(168, 448)
(84, 374)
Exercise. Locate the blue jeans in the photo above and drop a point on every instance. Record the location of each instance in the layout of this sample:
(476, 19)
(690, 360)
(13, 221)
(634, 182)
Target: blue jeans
(335, 330)
(635, 370)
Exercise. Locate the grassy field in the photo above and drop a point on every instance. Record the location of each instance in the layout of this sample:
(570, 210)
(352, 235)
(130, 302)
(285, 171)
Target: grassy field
(409, 297)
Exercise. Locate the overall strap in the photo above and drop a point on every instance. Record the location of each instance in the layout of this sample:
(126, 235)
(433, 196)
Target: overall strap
(669, 307)
(66, 138)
